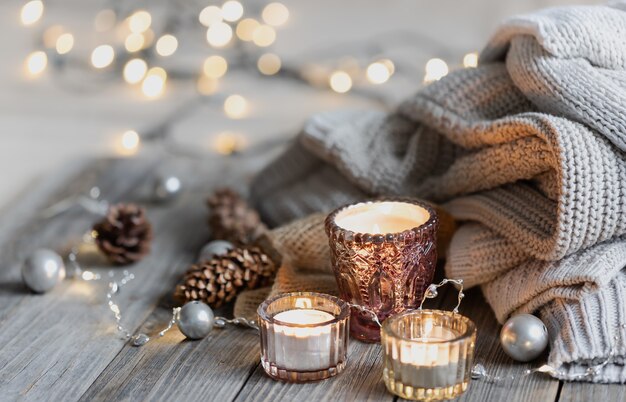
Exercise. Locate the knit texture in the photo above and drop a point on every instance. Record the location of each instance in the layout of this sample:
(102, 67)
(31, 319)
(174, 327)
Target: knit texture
(528, 148)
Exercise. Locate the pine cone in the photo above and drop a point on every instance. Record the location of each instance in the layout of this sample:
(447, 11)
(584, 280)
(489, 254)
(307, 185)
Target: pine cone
(219, 280)
(232, 219)
(124, 235)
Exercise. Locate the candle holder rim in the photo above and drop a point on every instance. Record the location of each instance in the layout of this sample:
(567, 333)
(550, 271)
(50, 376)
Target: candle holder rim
(344, 309)
(331, 226)
(468, 333)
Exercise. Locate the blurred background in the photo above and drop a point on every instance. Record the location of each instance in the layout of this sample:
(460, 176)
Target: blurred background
(205, 79)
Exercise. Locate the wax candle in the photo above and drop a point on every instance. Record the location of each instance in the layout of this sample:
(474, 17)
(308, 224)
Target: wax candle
(384, 256)
(304, 336)
(304, 348)
(427, 354)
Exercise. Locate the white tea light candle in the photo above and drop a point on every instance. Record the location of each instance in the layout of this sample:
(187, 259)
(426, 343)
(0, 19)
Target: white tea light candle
(427, 354)
(303, 348)
(304, 336)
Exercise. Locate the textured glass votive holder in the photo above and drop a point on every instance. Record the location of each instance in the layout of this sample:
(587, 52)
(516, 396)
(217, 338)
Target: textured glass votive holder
(304, 336)
(427, 354)
(384, 255)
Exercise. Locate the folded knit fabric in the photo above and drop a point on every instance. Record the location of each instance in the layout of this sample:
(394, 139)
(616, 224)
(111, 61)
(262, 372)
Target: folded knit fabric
(530, 147)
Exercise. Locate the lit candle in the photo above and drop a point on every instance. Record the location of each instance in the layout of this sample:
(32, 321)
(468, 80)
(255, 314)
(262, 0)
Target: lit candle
(303, 348)
(428, 354)
(384, 256)
(424, 365)
(304, 336)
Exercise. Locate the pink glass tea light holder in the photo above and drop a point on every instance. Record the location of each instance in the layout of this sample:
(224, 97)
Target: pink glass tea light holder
(384, 255)
(304, 336)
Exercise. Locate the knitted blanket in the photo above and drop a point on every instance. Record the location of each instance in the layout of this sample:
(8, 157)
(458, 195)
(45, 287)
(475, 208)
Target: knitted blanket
(528, 149)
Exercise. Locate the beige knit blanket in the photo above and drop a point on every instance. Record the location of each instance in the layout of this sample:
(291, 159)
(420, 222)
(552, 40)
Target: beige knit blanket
(528, 149)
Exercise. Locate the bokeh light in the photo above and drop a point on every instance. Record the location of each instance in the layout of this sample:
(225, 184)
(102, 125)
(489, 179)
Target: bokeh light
(105, 20)
(140, 21)
(470, 60)
(235, 106)
(232, 10)
(31, 12)
(134, 42)
(219, 34)
(275, 14)
(245, 29)
(210, 15)
(166, 45)
(264, 35)
(36, 62)
(340, 82)
(435, 70)
(377, 73)
(135, 70)
(215, 66)
(269, 64)
(102, 56)
(153, 84)
(207, 86)
(65, 43)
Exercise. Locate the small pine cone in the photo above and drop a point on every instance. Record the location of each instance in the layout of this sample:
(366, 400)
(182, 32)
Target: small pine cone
(220, 279)
(232, 219)
(124, 235)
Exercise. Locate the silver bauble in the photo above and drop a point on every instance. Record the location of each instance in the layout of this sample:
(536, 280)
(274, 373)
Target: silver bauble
(167, 187)
(215, 247)
(524, 337)
(42, 270)
(195, 320)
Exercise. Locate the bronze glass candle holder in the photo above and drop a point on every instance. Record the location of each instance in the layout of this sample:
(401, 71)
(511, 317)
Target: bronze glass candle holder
(384, 256)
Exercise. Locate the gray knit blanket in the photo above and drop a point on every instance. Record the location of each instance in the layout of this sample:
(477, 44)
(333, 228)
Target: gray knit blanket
(528, 149)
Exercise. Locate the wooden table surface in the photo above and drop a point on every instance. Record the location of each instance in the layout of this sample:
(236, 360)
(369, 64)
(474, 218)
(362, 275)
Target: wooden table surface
(63, 345)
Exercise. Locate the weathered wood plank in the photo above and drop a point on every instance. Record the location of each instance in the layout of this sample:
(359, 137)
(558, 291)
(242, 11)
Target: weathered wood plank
(70, 326)
(489, 352)
(54, 345)
(584, 392)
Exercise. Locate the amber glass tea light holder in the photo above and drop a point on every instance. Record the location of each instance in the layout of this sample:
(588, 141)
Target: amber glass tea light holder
(304, 336)
(428, 354)
(384, 255)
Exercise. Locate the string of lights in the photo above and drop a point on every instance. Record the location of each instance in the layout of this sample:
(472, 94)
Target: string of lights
(138, 43)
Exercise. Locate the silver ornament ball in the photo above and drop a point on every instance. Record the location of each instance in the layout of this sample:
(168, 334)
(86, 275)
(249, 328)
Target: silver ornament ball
(213, 248)
(195, 320)
(524, 337)
(42, 270)
(167, 187)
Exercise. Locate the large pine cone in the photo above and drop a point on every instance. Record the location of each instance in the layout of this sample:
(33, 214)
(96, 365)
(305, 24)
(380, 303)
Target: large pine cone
(219, 280)
(124, 235)
(232, 219)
